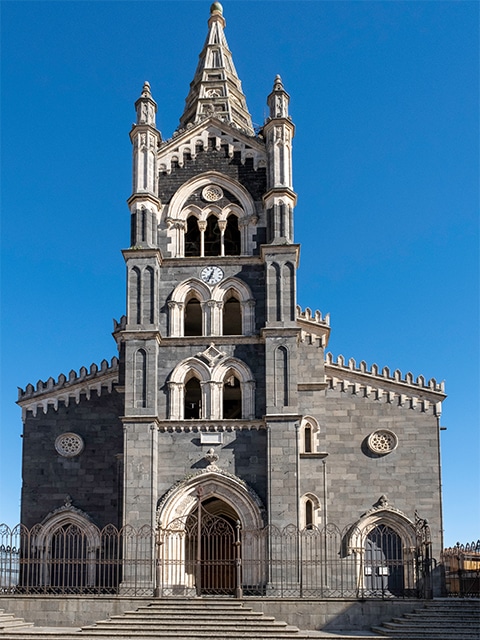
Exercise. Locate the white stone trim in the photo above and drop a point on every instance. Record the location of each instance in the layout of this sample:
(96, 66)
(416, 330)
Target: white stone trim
(182, 498)
(211, 301)
(211, 381)
(315, 430)
(316, 511)
(176, 213)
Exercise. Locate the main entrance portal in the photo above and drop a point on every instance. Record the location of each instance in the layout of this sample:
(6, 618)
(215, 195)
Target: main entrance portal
(200, 552)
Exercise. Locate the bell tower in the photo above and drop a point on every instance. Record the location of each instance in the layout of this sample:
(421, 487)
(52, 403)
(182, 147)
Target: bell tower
(209, 339)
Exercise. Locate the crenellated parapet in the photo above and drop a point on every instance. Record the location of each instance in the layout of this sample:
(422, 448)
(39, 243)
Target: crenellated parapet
(194, 139)
(120, 325)
(382, 384)
(315, 328)
(67, 388)
(315, 317)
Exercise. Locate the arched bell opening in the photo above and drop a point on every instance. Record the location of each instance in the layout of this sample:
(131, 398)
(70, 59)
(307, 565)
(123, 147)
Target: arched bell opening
(192, 237)
(212, 237)
(232, 238)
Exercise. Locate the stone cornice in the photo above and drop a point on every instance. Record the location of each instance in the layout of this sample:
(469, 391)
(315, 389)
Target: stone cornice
(206, 340)
(220, 260)
(280, 192)
(279, 249)
(210, 426)
(144, 195)
(142, 252)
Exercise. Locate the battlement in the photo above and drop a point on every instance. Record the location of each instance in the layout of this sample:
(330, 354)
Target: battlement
(120, 325)
(316, 317)
(384, 374)
(52, 391)
(73, 378)
(172, 152)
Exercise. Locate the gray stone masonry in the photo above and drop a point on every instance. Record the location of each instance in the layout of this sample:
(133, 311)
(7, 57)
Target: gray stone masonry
(92, 479)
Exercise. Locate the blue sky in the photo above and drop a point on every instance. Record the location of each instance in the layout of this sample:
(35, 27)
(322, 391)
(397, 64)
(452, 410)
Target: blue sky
(385, 99)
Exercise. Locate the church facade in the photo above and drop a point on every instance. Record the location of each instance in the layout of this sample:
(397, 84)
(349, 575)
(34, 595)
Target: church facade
(223, 393)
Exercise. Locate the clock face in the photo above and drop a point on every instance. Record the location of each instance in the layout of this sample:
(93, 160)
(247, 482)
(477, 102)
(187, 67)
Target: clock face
(211, 275)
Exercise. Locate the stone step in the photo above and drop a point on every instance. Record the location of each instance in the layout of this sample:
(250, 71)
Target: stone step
(187, 620)
(426, 634)
(188, 616)
(437, 620)
(201, 622)
(10, 621)
(55, 635)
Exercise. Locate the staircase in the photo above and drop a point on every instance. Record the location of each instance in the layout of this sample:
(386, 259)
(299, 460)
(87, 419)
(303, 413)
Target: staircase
(9, 621)
(182, 620)
(437, 620)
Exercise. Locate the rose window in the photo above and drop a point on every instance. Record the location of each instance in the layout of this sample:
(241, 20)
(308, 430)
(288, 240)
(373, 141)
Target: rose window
(69, 445)
(212, 193)
(382, 441)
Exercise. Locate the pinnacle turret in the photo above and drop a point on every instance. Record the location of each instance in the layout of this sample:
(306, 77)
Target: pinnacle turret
(146, 107)
(216, 89)
(278, 100)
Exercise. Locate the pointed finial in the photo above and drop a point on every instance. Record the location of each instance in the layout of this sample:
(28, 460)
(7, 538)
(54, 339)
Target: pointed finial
(278, 84)
(146, 89)
(216, 7)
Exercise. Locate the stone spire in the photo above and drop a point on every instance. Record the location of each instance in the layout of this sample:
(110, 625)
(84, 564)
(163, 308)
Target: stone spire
(216, 89)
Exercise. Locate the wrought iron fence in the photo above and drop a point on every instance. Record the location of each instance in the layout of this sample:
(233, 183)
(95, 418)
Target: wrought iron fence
(462, 570)
(204, 554)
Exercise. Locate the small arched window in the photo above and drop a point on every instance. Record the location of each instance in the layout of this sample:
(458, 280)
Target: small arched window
(193, 318)
(309, 431)
(307, 439)
(232, 317)
(232, 236)
(309, 518)
(212, 237)
(309, 511)
(193, 400)
(192, 237)
(140, 381)
(232, 398)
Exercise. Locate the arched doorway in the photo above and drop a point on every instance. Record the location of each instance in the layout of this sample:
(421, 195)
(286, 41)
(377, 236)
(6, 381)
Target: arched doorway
(206, 524)
(213, 532)
(384, 561)
(203, 546)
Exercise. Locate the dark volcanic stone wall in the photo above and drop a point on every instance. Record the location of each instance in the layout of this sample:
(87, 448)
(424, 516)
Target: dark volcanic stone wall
(92, 479)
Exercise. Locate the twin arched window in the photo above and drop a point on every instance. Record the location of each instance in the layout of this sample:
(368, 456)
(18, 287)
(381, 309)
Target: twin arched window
(226, 310)
(222, 391)
(231, 399)
(213, 237)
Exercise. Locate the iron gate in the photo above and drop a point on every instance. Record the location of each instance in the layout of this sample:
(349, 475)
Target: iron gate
(199, 554)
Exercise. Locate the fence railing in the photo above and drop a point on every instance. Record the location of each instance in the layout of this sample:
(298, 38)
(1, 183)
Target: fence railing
(212, 556)
(462, 570)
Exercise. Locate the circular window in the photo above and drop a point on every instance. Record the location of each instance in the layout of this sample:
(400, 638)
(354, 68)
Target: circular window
(69, 445)
(212, 193)
(382, 441)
